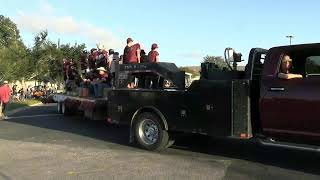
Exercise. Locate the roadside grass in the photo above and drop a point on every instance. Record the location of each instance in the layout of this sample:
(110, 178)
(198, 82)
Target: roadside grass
(15, 105)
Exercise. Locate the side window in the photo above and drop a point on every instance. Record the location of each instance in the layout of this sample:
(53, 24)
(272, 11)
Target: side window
(312, 66)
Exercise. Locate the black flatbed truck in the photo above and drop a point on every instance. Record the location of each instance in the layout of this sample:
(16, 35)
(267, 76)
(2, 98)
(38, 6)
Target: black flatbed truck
(206, 107)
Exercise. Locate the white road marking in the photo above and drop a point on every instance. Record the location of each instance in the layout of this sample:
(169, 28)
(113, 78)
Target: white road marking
(32, 116)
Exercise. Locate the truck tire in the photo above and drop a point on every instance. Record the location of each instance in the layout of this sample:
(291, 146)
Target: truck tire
(149, 133)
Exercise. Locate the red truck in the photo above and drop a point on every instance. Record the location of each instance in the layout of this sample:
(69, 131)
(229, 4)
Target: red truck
(254, 103)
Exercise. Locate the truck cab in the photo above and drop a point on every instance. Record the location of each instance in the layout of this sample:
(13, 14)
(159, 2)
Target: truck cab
(288, 108)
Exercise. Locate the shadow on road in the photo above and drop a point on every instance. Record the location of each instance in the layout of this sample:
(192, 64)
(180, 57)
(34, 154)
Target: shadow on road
(71, 124)
(244, 150)
(251, 151)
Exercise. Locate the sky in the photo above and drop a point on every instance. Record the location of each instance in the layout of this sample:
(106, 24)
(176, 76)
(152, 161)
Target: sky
(185, 30)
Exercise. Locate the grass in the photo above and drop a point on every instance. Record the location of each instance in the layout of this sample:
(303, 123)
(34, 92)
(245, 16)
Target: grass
(15, 105)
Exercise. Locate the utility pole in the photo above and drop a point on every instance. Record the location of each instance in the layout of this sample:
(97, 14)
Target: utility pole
(290, 37)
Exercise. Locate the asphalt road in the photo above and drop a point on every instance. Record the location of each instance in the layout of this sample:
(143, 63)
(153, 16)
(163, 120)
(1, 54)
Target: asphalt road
(38, 143)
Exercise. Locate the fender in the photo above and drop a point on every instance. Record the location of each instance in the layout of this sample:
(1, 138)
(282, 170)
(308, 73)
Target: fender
(152, 109)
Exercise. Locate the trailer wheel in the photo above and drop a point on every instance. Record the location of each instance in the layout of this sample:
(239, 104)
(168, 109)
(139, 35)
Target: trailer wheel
(149, 133)
(65, 110)
(59, 107)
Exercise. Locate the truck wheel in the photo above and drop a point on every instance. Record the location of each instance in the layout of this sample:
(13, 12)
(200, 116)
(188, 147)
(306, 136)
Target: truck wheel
(149, 133)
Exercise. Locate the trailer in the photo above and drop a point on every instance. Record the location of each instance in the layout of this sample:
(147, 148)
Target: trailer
(90, 108)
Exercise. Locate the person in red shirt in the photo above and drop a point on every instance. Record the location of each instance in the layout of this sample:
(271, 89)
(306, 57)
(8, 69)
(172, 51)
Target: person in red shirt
(5, 94)
(153, 55)
(131, 52)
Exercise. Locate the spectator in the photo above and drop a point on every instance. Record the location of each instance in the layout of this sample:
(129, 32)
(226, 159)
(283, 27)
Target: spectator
(21, 94)
(103, 81)
(4, 98)
(153, 55)
(131, 52)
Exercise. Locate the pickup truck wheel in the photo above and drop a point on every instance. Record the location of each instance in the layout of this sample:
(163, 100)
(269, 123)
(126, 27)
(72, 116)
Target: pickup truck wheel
(149, 133)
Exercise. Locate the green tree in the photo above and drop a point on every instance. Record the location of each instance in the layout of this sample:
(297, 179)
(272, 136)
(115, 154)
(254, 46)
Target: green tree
(42, 62)
(48, 57)
(13, 53)
(217, 60)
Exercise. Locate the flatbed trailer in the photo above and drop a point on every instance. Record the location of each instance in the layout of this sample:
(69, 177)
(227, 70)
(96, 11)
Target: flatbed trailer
(91, 108)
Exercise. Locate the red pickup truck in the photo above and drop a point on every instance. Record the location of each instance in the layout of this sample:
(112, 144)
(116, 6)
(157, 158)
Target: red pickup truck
(289, 108)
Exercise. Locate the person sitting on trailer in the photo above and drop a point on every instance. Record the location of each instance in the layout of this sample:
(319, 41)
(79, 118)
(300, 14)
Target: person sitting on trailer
(103, 81)
(286, 64)
(153, 56)
(73, 79)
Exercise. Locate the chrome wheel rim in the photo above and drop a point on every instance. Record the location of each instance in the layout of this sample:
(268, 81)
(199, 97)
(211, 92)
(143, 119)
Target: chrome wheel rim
(148, 131)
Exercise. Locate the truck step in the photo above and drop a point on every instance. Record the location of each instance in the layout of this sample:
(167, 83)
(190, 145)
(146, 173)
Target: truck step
(300, 147)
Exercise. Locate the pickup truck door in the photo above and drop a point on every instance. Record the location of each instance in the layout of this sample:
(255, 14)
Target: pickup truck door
(290, 108)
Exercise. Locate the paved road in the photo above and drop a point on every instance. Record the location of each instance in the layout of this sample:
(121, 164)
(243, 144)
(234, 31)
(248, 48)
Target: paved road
(40, 144)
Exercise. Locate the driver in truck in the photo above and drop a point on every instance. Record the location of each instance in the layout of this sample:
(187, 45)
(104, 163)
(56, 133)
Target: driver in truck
(286, 64)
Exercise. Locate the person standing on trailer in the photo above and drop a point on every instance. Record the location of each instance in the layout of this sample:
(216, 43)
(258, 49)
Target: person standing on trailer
(153, 55)
(131, 55)
(131, 52)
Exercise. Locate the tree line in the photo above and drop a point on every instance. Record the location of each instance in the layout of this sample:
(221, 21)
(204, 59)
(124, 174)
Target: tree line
(41, 62)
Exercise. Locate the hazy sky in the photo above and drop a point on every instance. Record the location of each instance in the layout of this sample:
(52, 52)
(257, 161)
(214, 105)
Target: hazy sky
(185, 30)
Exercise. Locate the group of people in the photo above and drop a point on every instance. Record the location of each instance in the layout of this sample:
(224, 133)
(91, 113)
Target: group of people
(98, 66)
(134, 54)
